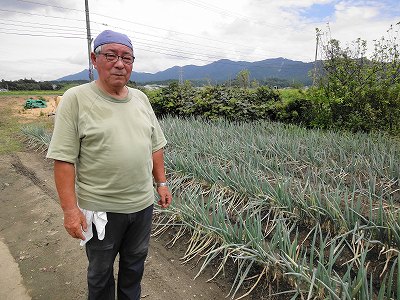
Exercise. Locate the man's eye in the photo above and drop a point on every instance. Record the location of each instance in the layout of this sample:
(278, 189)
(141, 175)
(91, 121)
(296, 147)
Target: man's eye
(127, 58)
(112, 56)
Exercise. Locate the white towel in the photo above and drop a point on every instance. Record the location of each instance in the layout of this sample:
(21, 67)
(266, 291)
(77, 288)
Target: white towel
(99, 219)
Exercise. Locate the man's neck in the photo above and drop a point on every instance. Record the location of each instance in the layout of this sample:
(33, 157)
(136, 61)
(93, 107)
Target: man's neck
(118, 92)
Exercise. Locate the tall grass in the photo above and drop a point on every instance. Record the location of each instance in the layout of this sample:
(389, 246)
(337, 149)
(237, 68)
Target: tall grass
(9, 129)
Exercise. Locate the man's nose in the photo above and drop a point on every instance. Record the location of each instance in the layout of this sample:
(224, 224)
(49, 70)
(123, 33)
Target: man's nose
(119, 63)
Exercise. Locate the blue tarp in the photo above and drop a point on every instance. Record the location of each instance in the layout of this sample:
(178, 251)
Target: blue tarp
(31, 103)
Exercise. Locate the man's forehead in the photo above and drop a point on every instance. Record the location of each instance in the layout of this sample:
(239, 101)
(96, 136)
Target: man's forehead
(117, 48)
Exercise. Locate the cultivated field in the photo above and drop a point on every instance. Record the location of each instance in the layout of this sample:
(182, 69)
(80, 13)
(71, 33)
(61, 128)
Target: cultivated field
(308, 214)
(284, 212)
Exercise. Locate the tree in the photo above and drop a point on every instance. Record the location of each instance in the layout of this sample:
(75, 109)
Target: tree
(243, 79)
(361, 92)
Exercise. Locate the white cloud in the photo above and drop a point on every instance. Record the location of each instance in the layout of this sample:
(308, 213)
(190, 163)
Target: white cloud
(302, 3)
(80, 58)
(348, 12)
(178, 32)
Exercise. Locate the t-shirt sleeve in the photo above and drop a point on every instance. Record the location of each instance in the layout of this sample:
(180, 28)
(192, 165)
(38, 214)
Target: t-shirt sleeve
(158, 139)
(65, 141)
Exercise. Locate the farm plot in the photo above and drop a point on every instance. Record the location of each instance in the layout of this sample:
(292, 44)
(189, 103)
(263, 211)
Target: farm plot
(313, 214)
(295, 213)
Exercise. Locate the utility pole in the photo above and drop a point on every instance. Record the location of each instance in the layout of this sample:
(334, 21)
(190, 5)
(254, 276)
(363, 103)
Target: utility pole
(318, 33)
(89, 40)
(180, 76)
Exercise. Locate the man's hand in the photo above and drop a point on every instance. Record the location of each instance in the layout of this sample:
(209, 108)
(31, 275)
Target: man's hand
(75, 222)
(165, 196)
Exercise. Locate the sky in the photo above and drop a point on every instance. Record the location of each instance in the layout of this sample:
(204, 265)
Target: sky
(45, 40)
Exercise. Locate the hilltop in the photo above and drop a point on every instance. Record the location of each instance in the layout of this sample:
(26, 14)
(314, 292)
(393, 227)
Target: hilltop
(221, 71)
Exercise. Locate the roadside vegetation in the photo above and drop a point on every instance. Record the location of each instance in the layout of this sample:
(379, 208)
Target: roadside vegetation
(12, 120)
(9, 128)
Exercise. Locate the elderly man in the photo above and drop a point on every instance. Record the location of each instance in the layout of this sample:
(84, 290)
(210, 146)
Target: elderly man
(107, 147)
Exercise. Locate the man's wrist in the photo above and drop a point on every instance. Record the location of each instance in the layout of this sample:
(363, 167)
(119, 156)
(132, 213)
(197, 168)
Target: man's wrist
(159, 184)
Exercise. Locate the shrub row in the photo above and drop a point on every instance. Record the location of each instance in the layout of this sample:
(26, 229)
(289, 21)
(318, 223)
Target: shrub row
(213, 102)
(312, 109)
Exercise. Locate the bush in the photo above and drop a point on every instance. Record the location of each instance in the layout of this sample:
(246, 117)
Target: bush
(357, 92)
(213, 102)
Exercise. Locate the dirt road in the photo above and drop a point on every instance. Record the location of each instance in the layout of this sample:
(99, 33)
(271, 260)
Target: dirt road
(52, 264)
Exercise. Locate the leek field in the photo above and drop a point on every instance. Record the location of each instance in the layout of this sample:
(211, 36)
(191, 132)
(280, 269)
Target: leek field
(289, 213)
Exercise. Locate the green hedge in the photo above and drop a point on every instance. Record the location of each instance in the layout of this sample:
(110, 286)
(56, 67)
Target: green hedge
(376, 110)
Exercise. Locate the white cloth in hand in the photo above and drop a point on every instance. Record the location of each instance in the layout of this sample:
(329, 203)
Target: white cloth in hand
(99, 219)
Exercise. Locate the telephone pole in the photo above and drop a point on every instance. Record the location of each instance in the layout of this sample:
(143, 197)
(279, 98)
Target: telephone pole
(180, 76)
(89, 40)
(318, 34)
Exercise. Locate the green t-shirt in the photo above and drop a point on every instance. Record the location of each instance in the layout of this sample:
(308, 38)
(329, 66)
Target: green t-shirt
(111, 142)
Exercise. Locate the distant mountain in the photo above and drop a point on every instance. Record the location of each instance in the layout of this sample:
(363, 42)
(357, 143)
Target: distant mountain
(221, 71)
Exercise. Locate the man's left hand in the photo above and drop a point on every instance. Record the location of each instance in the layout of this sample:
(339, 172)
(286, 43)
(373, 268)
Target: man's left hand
(165, 196)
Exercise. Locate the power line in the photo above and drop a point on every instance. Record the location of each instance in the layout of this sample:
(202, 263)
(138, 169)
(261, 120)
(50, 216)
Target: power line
(42, 35)
(193, 2)
(224, 62)
(23, 29)
(152, 44)
(48, 5)
(139, 41)
(44, 24)
(167, 30)
(119, 19)
(50, 30)
(185, 42)
(181, 51)
(47, 16)
(177, 32)
(226, 12)
(197, 3)
(159, 28)
(148, 47)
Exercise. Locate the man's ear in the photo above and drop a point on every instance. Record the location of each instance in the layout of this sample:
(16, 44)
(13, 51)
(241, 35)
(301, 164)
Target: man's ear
(93, 57)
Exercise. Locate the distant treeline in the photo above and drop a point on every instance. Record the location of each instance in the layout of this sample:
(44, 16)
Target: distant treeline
(271, 82)
(31, 84)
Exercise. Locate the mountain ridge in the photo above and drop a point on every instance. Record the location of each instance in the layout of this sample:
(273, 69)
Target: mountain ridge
(221, 71)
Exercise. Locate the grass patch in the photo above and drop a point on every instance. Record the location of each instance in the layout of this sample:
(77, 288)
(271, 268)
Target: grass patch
(31, 93)
(11, 123)
(291, 94)
(9, 133)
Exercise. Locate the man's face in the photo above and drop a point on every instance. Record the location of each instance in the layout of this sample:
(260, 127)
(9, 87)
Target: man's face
(113, 74)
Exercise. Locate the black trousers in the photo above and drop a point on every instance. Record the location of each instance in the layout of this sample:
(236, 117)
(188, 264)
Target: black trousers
(128, 235)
